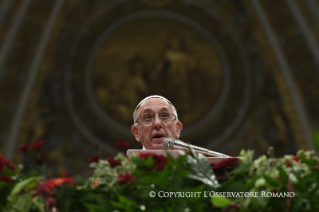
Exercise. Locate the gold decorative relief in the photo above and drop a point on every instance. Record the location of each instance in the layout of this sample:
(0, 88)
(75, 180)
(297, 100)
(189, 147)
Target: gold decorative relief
(157, 56)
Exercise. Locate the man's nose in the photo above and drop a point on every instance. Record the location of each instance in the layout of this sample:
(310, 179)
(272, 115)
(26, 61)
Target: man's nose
(157, 121)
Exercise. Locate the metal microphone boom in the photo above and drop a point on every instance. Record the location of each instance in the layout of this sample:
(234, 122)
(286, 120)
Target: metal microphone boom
(175, 144)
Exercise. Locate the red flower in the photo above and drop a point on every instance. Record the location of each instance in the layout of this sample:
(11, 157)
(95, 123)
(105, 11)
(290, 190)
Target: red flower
(36, 146)
(59, 181)
(122, 144)
(159, 160)
(288, 163)
(4, 162)
(94, 158)
(266, 154)
(296, 158)
(232, 206)
(51, 202)
(126, 178)
(24, 147)
(46, 192)
(5, 178)
(114, 162)
(229, 162)
(290, 189)
(145, 155)
(10, 167)
(43, 190)
(39, 160)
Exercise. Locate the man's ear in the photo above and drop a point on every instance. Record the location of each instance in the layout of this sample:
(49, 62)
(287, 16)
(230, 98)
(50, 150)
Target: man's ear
(179, 127)
(134, 130)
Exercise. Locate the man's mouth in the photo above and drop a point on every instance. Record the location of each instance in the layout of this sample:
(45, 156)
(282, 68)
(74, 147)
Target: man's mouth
(158, 138)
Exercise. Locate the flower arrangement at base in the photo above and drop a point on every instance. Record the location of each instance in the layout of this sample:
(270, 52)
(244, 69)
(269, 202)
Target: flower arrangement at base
(149, 182)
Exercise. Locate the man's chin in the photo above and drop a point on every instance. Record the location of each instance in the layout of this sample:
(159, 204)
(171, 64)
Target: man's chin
(157, 146)
(157, 143)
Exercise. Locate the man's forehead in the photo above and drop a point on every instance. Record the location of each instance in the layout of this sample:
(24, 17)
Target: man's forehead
(154, 102)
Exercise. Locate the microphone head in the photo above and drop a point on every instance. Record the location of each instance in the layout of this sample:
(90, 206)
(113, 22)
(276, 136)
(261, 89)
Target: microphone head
(168, 143)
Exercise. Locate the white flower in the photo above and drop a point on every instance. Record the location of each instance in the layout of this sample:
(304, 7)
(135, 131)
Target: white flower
(260, 182)
(293, 178)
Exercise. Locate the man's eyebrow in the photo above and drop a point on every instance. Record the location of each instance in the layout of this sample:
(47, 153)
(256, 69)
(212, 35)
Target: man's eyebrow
(150, 110)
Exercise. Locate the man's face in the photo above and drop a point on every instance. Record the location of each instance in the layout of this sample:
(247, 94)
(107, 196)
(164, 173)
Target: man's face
(153, 135)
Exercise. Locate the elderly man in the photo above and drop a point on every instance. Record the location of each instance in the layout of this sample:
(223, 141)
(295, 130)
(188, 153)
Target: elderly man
(155, 118)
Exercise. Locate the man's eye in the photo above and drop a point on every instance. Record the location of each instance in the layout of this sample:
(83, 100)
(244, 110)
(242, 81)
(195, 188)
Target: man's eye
(164, 115)
(147, 116)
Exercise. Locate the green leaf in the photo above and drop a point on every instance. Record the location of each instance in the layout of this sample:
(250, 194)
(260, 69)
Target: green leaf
(283, 175)
(39, 202)
(137, 161)
(20, 203)
(125, 200)
(176, 161)
(149, 162)
(8, 172)
(202, 171)
(271, 181)
(251, 182)
(309, 161)
(260, 201)
(25, 184)
(124, 203)
(316, 140)
(94, 208)
(220, 201)
(118, 205)
(199, 188)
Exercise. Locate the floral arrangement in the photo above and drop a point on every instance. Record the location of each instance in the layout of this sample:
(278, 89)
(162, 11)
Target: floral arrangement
(147, 182)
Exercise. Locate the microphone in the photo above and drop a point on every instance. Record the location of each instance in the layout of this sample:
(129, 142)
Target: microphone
(175, 144)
